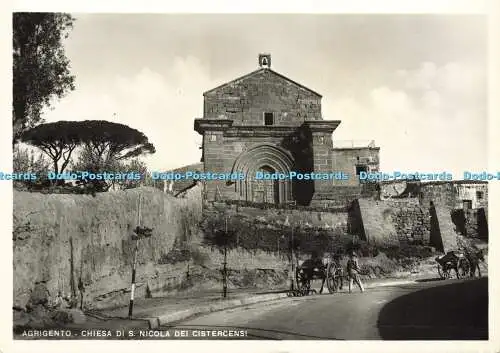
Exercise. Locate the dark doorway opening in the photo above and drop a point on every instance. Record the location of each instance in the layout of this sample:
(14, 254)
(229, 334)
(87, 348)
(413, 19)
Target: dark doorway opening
(266, 190)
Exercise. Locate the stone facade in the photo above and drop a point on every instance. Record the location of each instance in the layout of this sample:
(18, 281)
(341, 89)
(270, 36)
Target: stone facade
(353, 160)
(264, 121)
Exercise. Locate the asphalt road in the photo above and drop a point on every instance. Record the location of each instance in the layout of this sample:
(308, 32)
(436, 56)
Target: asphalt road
(430, 310)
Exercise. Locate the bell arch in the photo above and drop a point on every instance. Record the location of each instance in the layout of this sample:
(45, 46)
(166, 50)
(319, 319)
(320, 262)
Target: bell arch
(268, 158)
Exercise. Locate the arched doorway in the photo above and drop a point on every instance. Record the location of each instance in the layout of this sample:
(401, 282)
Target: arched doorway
(269, 159)
(266, 190)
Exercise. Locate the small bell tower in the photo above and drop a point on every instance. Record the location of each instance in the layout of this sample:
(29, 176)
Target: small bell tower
(265, 61)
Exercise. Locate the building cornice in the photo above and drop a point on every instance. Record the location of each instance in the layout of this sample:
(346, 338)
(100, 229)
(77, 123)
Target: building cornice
(226, 126)
(325, 126)
(202, 125)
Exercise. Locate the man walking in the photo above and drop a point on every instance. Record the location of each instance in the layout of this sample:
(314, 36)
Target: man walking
(353, 271)
(474, 257)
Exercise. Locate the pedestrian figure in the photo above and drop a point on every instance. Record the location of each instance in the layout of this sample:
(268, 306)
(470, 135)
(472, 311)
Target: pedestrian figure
(475, 257)
(71, 301)
(339, 269)
(81, 288)
(59, 301)
(353, 271)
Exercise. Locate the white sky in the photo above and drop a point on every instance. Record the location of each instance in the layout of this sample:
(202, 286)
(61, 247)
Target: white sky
(414, 83)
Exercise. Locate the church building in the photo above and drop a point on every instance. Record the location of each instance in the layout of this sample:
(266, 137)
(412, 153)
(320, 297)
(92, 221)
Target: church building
(266, 122)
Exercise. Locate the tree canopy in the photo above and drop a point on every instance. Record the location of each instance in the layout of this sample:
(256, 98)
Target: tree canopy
(58, 140)
(110, 141)
(40, 66)
(104, 143)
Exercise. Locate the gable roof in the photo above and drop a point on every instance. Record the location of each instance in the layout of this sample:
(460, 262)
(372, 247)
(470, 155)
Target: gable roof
(260, 71)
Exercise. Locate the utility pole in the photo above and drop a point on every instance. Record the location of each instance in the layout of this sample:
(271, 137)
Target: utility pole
(132, 291)
(292, 262)
(140, 232)
(224, 269)
(134, 262)
(278, 245)
(290, 242)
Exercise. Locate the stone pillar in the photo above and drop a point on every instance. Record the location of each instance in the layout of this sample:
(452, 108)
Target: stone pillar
(213, 153)
(322, 153)
(321, 131)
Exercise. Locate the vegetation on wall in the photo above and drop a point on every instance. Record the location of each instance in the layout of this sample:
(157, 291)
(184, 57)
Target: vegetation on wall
(253, 235)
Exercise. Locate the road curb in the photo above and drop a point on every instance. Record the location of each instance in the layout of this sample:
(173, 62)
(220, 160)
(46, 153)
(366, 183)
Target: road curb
(155, 322)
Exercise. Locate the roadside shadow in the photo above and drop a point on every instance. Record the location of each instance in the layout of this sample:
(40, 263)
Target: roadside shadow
(455, 311)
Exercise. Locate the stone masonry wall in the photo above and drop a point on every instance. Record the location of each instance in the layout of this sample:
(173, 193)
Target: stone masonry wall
(395, 222)
(245, 101)
(345, 160)
(451, 194)
(336, 196)
(412, 222)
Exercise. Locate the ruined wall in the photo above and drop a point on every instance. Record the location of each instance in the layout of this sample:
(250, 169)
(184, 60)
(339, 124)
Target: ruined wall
(452, 194)
(394, 222)
(476, 225)
(475, 192)
(443, 234)
(439, 193)
(452, 217)
(471, 223)
(246, 100)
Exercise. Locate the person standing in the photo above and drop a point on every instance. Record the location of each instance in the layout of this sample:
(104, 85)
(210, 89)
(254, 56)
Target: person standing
(353, 271)
(81, 288)
(59, 301)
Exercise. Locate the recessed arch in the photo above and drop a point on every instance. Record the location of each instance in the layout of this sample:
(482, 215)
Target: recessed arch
(263, 156)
